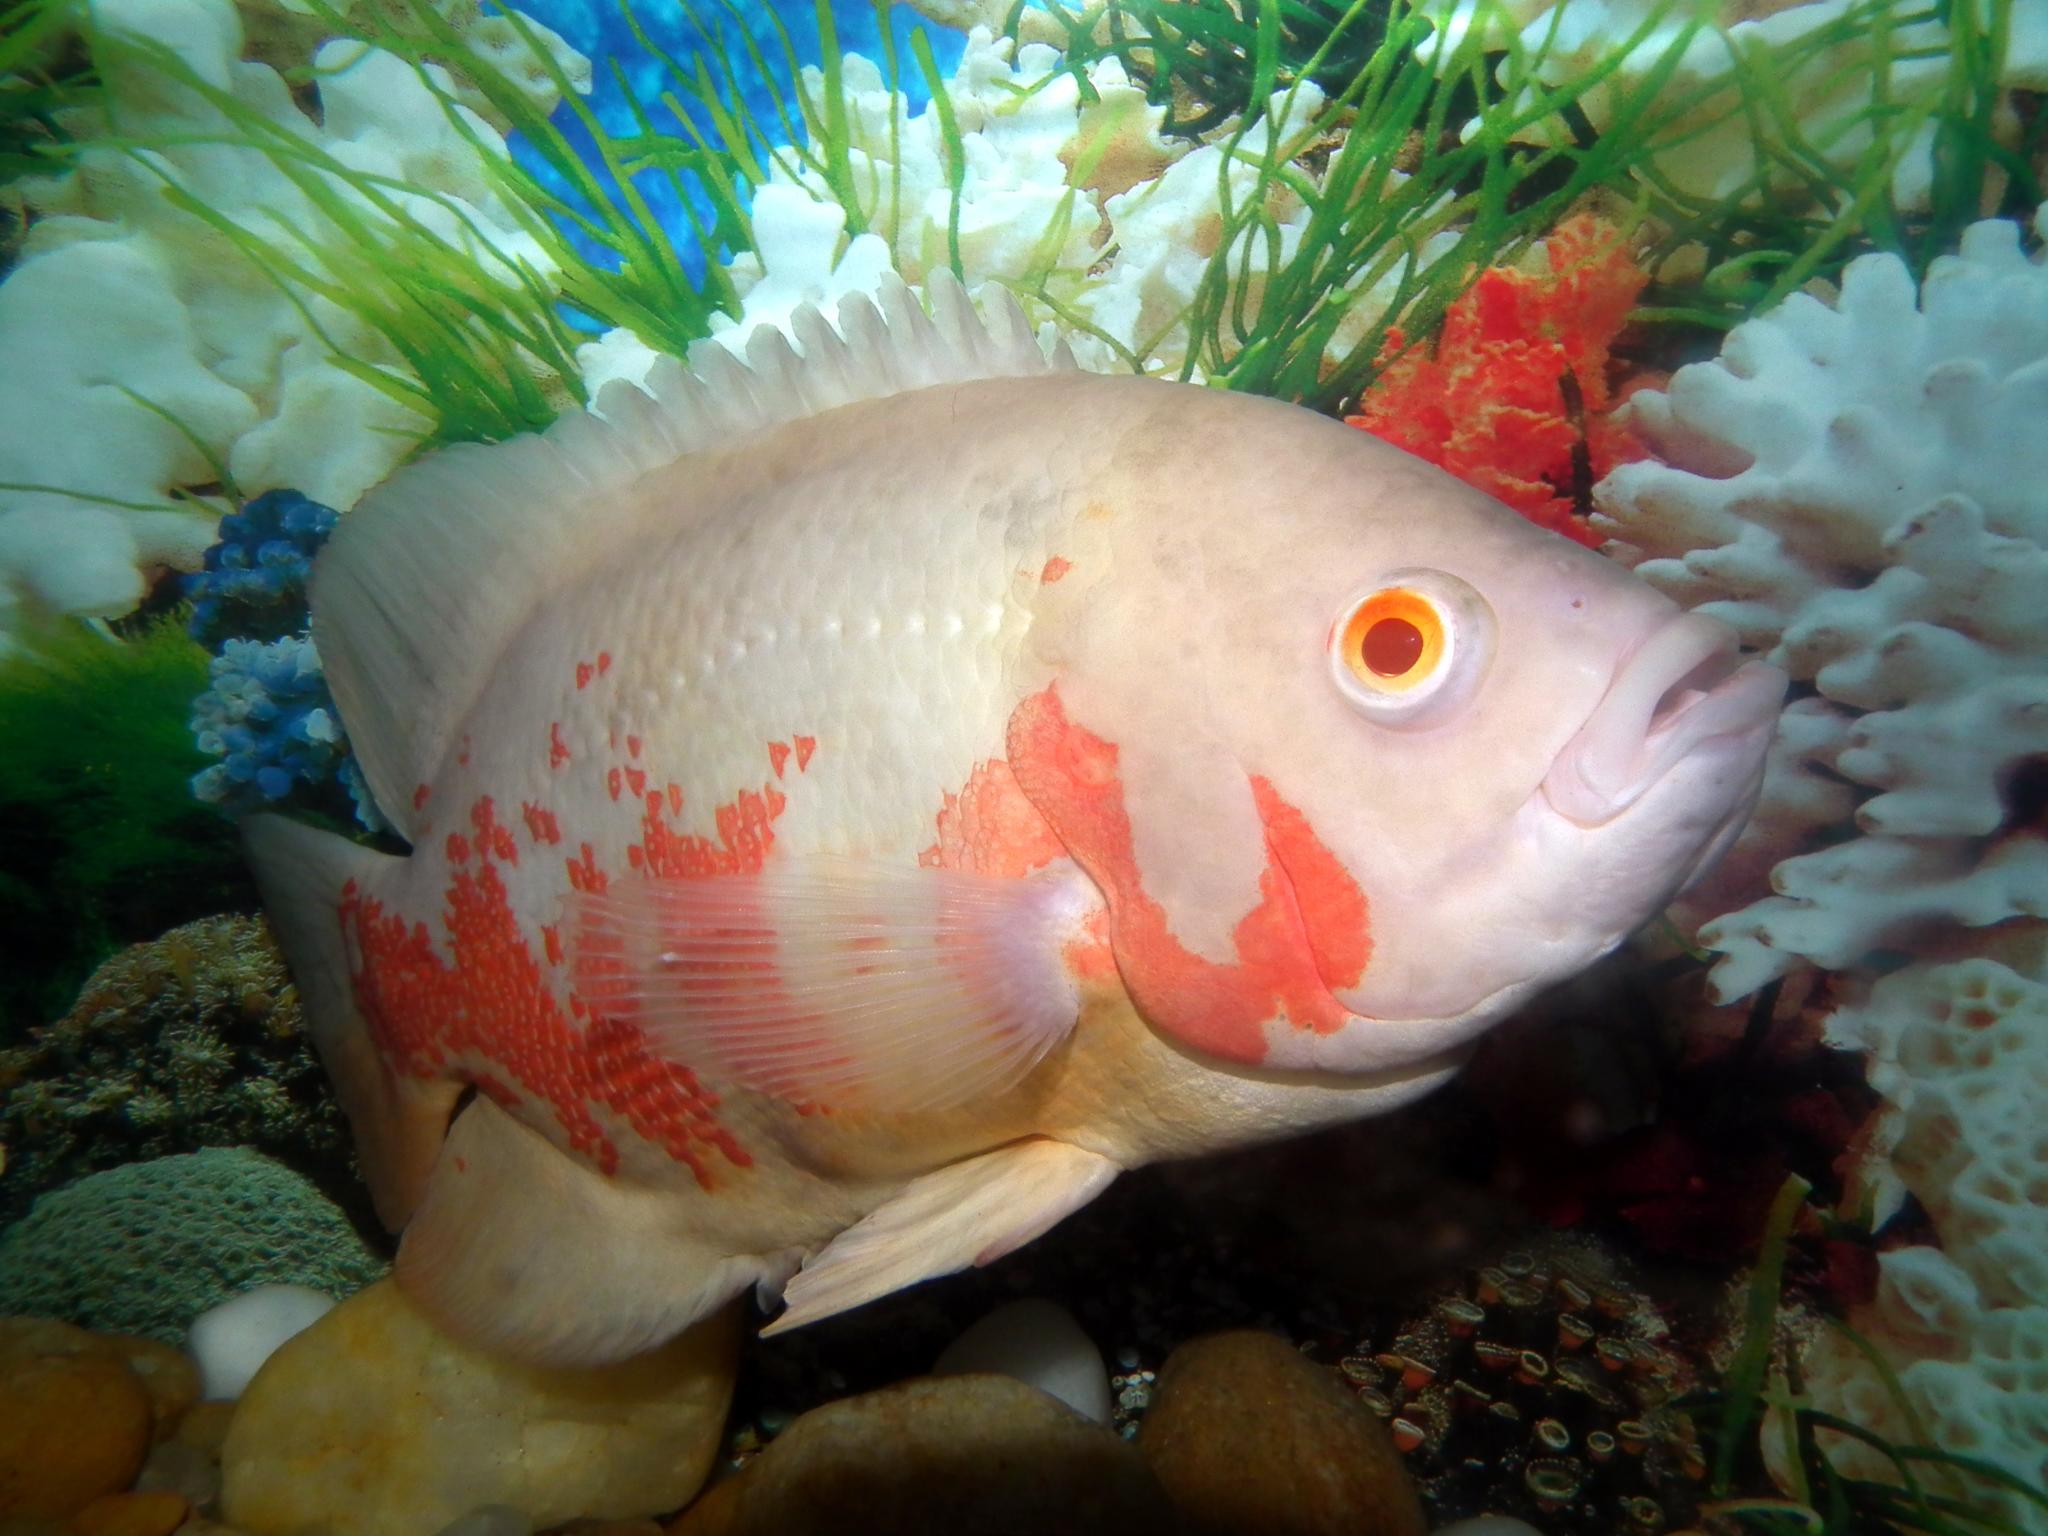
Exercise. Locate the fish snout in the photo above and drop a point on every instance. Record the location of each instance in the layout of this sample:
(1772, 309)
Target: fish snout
(1683, 692)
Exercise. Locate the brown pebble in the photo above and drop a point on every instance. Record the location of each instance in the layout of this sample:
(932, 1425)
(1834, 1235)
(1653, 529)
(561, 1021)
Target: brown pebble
(939, 1456)
(75, 1421)
(132, 1514)
(205, 1428)
(1246, 1435)
(169, 1374)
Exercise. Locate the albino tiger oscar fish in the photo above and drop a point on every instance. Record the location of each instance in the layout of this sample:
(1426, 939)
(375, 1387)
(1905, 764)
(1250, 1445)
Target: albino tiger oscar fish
(861, 801)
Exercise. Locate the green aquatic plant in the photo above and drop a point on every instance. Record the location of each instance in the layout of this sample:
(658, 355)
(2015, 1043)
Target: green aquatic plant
(1437, 161)
(101, 842)
(1761, 1396)
(1203, 60)
(43, 73)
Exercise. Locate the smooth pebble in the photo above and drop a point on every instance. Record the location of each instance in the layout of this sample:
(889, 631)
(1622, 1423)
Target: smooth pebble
(231, 1341)
(1039, 1343)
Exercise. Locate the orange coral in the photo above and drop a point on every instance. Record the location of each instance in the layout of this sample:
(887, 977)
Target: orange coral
(1493, 401)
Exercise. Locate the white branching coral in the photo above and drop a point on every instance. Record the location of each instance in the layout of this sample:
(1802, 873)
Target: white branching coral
(1960, 1054)
(1823, 58)
(1861, 489)
(145, 349)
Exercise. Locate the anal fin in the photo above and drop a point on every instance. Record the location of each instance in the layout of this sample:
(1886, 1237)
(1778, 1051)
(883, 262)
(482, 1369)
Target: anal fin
(970, 1212)
(523, 1250)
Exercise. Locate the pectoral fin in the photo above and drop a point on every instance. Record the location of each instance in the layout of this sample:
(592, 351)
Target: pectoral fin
(856, 985)
(971, 1212)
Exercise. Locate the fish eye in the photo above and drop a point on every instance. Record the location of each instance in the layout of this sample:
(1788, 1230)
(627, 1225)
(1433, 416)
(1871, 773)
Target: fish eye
(1411, 646)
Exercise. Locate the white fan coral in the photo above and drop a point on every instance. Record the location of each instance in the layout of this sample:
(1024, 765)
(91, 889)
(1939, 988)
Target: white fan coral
(1960, 1054)
(1861, 489)
(144, 349)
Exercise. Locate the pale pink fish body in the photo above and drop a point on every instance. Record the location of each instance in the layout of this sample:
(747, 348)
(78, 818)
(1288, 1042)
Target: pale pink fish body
(860, 804)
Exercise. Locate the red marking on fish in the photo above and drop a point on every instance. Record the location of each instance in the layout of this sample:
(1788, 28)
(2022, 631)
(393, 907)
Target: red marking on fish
(457, 848)
(614, 783)
(584, 672)
(745, 834)
(604, 662)
(558, 751)
(1218, 1007)
(419, 797)
(584, 875)
(462, 757)
(482, 1009)
(992, 828)
(633, 746)
(1055, 568)
(1333, 908)
(778, 756)
(541, 824)
(675, 799)
(805, 746)
(551, 941)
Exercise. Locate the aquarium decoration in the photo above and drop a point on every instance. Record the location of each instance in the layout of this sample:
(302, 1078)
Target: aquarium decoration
(266, 712)
(1517, 394)
(104, 843)
(1853, 485)
(1752, 296)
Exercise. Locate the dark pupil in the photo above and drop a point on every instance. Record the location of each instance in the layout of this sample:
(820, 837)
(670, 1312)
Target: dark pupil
(1391, 647)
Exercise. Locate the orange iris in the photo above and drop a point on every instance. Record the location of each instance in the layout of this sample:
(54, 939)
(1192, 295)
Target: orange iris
(1394, 640)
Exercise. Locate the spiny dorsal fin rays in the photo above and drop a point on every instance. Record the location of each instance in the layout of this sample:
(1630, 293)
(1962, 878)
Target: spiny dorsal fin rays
(428, 578)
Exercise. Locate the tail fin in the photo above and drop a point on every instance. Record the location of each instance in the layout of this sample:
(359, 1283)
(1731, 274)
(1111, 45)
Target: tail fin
(399, 1122)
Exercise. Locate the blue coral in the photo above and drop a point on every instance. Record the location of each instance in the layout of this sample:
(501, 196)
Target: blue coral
(254, 583)
(267, 714)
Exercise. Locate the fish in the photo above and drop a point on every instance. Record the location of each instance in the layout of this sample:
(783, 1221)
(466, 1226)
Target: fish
(863, 796)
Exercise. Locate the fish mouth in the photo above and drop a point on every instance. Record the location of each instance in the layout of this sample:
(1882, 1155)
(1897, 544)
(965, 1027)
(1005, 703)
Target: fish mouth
(1683, 692)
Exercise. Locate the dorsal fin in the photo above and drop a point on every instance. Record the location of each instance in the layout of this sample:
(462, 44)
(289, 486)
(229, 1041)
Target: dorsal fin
(424, 581)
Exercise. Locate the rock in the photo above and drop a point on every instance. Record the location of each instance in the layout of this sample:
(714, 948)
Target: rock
(374, 1423)
(75, 1421)
(940, 1455)
(167, 1374)
(131, 1514)
(491, 1520)
(1488, 1525)
(1039, 1343)
(1246, 1435)
(231, 1341)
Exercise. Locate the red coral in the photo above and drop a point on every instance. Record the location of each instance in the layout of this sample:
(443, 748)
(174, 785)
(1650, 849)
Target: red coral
(1491, 402)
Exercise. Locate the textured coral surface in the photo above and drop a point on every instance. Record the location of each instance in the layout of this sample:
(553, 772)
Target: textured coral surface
(147, 1247)
(1515, 395)
(192, 1040)
(1861, 489)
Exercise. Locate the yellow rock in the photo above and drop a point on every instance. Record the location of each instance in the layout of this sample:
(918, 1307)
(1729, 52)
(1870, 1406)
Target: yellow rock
(374, 1423)
(74, 1419)
(167, 1373)
(132, 1514)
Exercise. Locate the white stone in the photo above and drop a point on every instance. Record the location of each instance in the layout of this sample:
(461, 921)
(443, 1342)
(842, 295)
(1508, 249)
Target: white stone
(231, 1341)
(1038, 1343)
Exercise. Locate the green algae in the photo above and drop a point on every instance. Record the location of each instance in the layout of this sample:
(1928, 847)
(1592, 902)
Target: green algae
(101, 842)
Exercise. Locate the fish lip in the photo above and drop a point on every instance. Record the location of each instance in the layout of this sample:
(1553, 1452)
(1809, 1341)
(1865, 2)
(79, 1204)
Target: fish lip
(1682, 689)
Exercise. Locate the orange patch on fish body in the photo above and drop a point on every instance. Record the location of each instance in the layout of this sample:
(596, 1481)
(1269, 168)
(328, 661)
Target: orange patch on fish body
(1221, 1008)
(487, 1011)
(992, 828)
